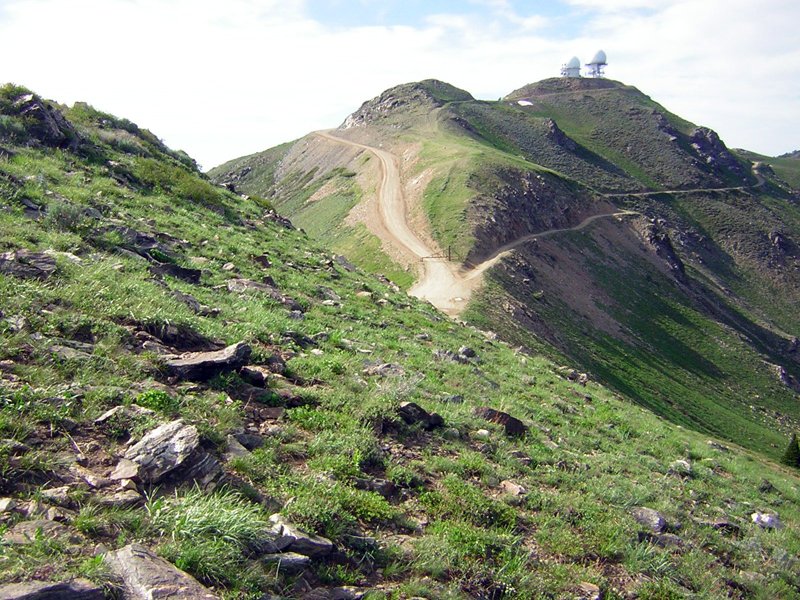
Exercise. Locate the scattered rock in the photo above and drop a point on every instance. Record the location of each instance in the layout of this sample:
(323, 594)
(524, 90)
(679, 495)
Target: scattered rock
(163, 450)
(176, 271)
(382, 487)
(412, 413)
(513, 489)
(7, 505)
(722, 525)
(652, 519)
(235, 449)
(384, 370)
(77, 589)
(121, 499)
(766, 520)
(683, 468)
(250, 441)
(513, 426)
(202, 366)
(466, 352)
(717, 446)
(482, 434)
(256, 375)
(27, 532)
(297, 540)
(589, 591)
(449, 355)
(148, 577)
(240, 286)
(287, 562)
(27, 265)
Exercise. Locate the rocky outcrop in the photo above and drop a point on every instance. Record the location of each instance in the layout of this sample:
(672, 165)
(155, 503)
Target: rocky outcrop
(147, 577)
(662, 244)
(44, 124)
(558, 137)
(712, 151)
(27, 265)
(202, 366)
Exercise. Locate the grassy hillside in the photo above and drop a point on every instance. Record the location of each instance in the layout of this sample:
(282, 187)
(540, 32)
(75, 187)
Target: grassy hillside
(415, 509)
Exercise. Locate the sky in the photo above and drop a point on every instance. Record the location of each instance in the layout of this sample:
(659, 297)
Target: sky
(224, 79)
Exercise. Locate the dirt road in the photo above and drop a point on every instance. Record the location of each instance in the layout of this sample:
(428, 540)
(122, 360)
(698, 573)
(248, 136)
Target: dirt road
(446, 285)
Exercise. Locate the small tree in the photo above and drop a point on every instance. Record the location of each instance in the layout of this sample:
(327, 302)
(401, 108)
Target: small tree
(792, 455)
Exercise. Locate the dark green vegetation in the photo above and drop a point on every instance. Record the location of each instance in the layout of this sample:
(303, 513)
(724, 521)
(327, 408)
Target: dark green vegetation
(792, 455)
(689, 306)
(90, 335)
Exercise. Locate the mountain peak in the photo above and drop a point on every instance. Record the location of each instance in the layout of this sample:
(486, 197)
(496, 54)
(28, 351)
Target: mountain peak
(406, 98)
(556, 85)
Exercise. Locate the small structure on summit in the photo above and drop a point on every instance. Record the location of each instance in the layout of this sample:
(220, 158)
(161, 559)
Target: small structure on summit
(597, 65)
(572, 68)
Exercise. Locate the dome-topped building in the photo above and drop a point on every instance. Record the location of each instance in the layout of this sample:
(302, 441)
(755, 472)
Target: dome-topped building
(598, 64)
(572, 68)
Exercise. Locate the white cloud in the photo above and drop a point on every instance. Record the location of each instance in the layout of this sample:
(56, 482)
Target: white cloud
(224, 79)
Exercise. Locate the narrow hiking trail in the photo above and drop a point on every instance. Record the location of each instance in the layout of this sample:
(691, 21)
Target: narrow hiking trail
(444, 284)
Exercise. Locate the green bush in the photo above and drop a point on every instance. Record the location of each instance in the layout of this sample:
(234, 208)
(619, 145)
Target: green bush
(158, 400)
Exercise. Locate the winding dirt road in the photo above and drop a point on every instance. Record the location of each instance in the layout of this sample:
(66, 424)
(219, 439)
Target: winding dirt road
(444, 284)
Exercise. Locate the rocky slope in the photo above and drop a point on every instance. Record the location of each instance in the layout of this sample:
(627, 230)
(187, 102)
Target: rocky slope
(197, 401)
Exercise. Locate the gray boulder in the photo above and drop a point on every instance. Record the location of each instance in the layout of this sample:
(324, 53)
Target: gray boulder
(294, 539)
(201, 366)
(652, 519)
(287, 562)
(148, 577)
(165, 449)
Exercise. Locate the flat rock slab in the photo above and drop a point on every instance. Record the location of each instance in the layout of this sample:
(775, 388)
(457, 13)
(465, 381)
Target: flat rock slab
(294, 539)
(287, 562)
(78, 589)
(162, 450)
(513, 426)
(202, 366)
(148, 577)
(27, 265)
(26, 532)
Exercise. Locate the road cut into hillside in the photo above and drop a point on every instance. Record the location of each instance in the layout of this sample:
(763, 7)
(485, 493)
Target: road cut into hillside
(446, 285)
